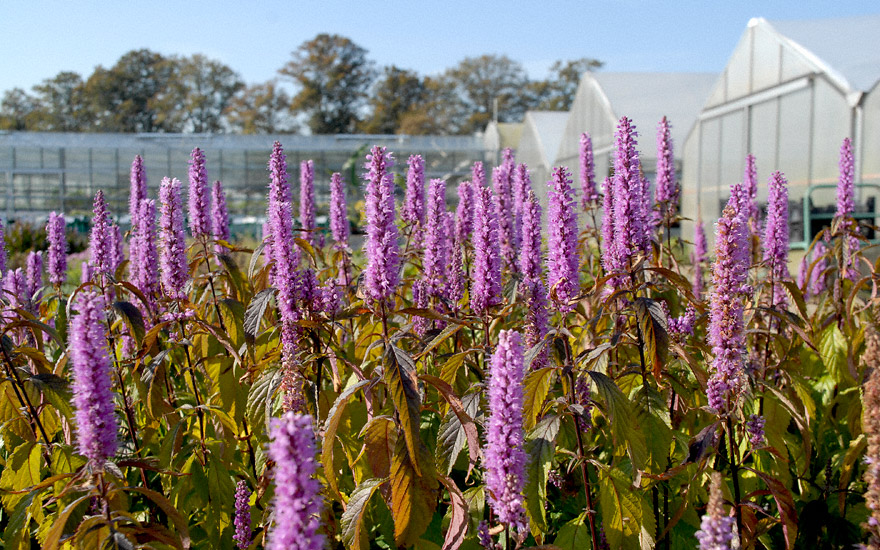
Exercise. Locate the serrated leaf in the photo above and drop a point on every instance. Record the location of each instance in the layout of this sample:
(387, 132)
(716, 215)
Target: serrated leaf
(413, 494)
(540, 447)
(254, 313)
(536, 386)
(260, 397)
(380, 436)
(627, 519)
(785, 505)
(449, 370)
(447, 331)
(330, 427)
(56, 390)
(400, 379)
(574, 535)
(623, 428)
(832, 349)
(353, 535)
(652, 324)
(466, 421)
(451, 437)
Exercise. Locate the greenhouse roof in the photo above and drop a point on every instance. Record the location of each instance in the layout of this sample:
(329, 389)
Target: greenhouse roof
(549, 128)
(647, 97)
(342, 142)
(847, 48)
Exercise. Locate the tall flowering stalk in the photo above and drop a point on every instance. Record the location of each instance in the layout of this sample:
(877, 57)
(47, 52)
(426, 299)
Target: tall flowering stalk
(413, 211)
(464, 212)
(666, 191)
(563, 259)
(610, 254)
(219, 217)
(717, 529)
(486, 271)
(57, 255)
(242, 520)
(297, 504)
(522, 186)
(138, 189)
(144, 253)
(199, 196)
(2, 248)
(532, 281)
(339, 225)
(505, 457)
(92, 396)
(846, 183)
(699, 258)
(307, 216)
(34, 276)
(172, 241)
(631, 231)
(100, 245)
(117, 250)
(589, 194)
(383, 259)
(435, 255)
(726, 334)
(775, 239)
(503, 183)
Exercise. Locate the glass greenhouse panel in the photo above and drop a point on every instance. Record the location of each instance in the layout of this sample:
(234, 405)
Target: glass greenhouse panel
(766, 62)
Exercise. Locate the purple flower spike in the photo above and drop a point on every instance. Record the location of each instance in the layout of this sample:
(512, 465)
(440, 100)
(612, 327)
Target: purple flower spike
(339, 225)
(666, 191)
(219, 216)
(817, 277)
(297, 504)
(717, 529)
(92, 395)
(242, 521)
(172, 239)
(478, 175)
(750, 185)
(486, 270)
(563, 260)
(871, 429)
(455, 282)
(145, 254)
(699, 258)
(307, 214)
(413, 212)
(55, 232)
(726, 333)
(845, 185)
(199, 196)
(631, 231)
(100, 245)
(522, 186)
(34, 281)
(775, 239)
(435, 255)
(138, 190)
(2, 249)
(505, 457)
(533, 282)
(530, 253)
(15, 288)
(117, 251)
(464, 212)
(589, 195)
(502, 181)
(383, 256)
(755, 429)
(610, 255)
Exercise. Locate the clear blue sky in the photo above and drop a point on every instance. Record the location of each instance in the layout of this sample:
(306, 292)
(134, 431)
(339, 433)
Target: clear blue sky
(39, 39)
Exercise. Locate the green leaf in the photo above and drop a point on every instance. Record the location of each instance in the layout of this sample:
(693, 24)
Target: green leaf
(56, 390)
(353, 534)
(623, 428)
(132, 318)
(832, 349)
(260, 398)
(413, 494)
(458, 523)
(540, 447)
(627, 519)
(465, 419)
(380, 435)
(330, 427)
(451, 437)
(652, 324)
(400, 378)
(574, 535)
(536, 386)
(785, 505)
(254, 313)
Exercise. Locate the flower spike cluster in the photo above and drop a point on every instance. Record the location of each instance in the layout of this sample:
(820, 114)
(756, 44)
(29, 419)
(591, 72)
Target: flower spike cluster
(775, 239)
(464, 212)
(242, 521)
(486, 270)
(435, 256)
(383, 255)
(666, 191)
(413, 212)
(92, 395)
(589, 195)
(298, 502)
(199, 196)
(503, 183)
(219, 216)
(57, 256)
(717, 529)
(750, 186)
(172, 238)
(699, 258)
(138, 190)
(100, 244)
(339, 226)
(505, 457)
(563, 258)
(307, 216)
(845, 185)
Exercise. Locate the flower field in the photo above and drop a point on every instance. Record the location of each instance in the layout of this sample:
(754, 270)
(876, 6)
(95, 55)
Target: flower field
(502, 373)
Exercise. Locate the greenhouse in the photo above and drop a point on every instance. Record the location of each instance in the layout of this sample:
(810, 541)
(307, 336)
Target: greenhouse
(790, 93)
(41, 172)
(541, 134)
(603, 98)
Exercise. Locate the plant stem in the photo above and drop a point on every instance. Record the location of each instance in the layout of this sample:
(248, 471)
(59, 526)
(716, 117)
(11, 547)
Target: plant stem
(23, 398)
(734, 473)
(192, 378)
(211, 284)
